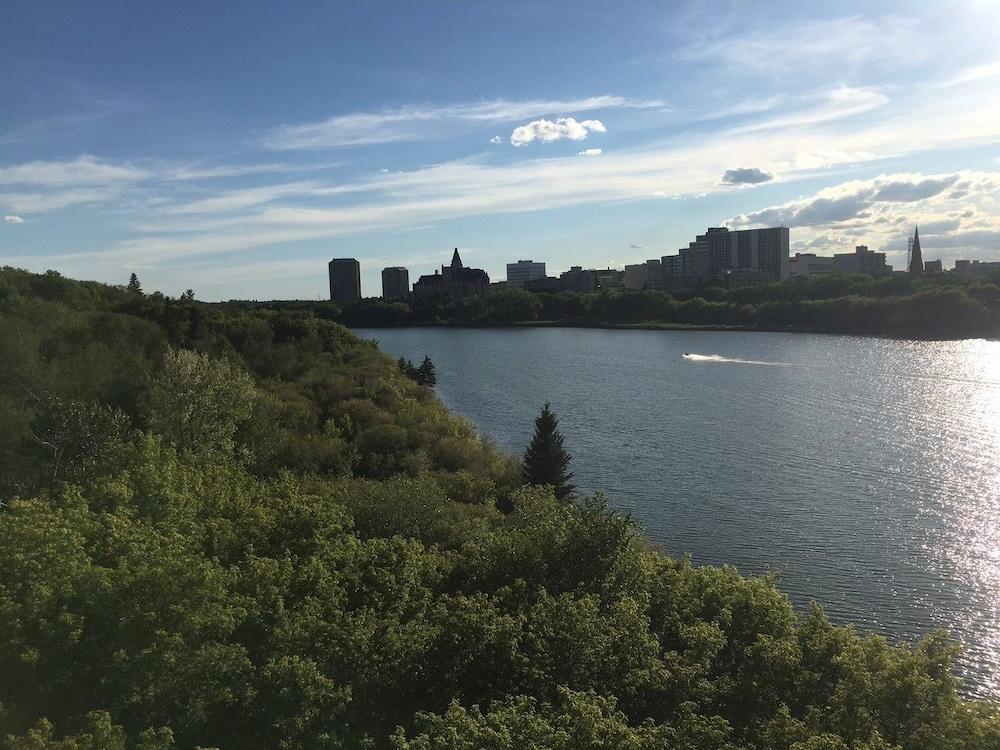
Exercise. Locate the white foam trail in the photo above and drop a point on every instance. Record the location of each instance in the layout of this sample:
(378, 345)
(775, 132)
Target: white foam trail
(729, 360)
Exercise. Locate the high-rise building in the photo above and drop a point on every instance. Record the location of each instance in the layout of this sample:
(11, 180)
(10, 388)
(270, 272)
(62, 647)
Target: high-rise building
(395, 282)
(576, 279)
(970, 267)
(807, 264)
(345, 280)
(524, 270)
(862, 260)
(735, 258)
(648, 275)
(916, 258)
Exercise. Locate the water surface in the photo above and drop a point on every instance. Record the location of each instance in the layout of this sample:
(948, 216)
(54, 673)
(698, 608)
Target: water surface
(866, 472)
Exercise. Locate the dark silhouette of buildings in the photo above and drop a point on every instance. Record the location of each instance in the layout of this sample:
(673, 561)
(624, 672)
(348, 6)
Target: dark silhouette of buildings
(862, 260)
(454, 280)
(916, 258)
(577, 279)
(734, 258)
(395, 282)
(345, 280)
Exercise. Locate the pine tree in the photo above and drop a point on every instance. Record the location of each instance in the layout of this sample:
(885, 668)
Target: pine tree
(426, 374)
(134, 285)
(406, 367)
(545, 460)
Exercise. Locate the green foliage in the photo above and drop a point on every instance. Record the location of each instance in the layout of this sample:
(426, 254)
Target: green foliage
(198, 402)
(134, 286)
(546, 462)
(426, 374)
(220, 579)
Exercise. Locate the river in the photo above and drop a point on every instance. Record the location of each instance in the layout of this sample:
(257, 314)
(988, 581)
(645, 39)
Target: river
(863, 471)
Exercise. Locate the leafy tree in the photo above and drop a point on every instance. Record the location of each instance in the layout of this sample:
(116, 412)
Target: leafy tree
(426, 374)
(71, 436)
(133, 285)
(545, 460)
(198, 402)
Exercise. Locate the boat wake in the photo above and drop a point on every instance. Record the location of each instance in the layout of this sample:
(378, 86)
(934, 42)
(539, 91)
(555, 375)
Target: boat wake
(729, 360)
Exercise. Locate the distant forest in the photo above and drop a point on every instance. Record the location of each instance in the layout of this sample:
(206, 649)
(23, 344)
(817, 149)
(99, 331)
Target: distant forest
(224, 527)
(942, 305)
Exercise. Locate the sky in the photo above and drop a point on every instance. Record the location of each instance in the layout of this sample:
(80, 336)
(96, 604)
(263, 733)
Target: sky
(234, 148)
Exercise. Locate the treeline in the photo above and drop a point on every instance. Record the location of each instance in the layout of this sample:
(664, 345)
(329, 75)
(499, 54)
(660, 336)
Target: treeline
(934, 306)
(223, 527)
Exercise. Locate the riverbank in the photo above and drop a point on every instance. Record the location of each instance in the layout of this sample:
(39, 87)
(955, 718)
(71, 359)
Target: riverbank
(660, 326)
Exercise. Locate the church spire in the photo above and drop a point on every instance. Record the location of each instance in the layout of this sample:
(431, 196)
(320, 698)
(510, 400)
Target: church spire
(456, 260)
(916, 259)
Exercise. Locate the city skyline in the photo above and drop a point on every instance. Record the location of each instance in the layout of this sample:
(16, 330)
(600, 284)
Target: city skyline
(150, 141)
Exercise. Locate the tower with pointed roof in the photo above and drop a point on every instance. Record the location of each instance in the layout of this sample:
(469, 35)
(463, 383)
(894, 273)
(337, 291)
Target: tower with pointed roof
(916, 259)
(454, 280)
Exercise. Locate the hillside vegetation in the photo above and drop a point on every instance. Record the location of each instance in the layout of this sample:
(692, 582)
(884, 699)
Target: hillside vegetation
(234, 528)
(942, 305)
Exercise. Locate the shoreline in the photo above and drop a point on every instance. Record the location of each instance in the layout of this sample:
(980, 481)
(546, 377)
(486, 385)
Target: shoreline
(658, 326)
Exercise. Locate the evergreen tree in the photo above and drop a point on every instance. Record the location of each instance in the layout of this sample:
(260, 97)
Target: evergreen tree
(134, 285)
(406, 367)
(426, 374)
(545, 460)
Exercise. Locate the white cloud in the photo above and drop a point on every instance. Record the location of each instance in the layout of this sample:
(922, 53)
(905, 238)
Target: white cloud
(590, 152)
(851, 43)
(972, 74)
(827, 158)
(496, 140)
(547, 131)
(412, 123)
(12, 219)
(41, 201)
(84, 170)
(835, 104)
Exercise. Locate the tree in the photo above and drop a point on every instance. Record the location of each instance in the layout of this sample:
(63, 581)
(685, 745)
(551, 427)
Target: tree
(545, 460)
(198, 402)
(406, 367)
(133, 284)
(426, 374)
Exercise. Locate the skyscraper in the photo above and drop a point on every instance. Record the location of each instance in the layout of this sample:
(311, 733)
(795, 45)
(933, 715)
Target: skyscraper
(395, 282)
(345, 280)
(735, 258)
(916, 259)
(524, 270)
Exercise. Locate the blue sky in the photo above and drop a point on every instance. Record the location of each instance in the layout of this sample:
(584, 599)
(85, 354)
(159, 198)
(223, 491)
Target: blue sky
(235, 148)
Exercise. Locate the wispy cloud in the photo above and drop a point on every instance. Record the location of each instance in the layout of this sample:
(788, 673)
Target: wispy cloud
(972, 74)
(84, 170)
(546, 131)
(412, 123)
(590, 152)
(12, 219)
(851, 43)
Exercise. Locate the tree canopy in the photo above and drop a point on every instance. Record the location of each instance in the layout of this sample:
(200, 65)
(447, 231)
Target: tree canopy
(320, 562)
